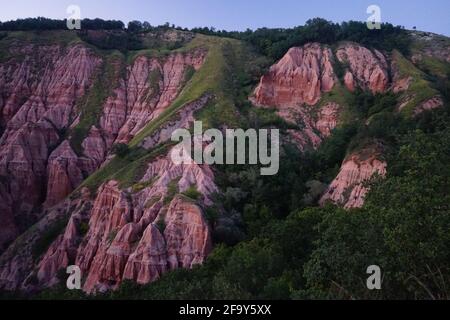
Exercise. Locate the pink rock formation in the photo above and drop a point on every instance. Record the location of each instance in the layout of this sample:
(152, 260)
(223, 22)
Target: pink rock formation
(299, 77)
(39, 103)
(187, 234)
(349, 81)
(430, 104)
(327, 119)
(9, 229)
(64, 174)
(39, 93)
(314, 127)
(60, 254)
(149, 261)
(123, 242)
(150, 87)
(368, 69)
(348, 189)
(399, 83)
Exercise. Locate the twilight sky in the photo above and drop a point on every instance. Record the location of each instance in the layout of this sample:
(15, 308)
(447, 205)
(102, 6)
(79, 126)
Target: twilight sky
(428, 15)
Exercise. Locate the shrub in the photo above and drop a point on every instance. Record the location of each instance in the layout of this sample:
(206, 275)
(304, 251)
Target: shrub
(192, 193)
(120, 149)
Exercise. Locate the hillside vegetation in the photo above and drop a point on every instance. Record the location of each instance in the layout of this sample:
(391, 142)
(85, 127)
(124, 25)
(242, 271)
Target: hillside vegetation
(272, 240)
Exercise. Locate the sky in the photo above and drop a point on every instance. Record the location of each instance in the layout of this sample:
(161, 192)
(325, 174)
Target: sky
(429, 15)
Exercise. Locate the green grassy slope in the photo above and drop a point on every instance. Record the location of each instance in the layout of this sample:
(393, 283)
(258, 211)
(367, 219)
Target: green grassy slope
(420, 89)
(221, 75)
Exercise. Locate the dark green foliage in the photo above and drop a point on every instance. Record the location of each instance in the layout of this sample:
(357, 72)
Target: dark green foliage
(368, 104)
(271, 42)
(90, 105)
(403, 228)
(172, 190)
(41, 23)
(44, 241)
(192, 193)
(121, 149)
(269, 242)
(275, 42)
(161, 225)
(113, 39)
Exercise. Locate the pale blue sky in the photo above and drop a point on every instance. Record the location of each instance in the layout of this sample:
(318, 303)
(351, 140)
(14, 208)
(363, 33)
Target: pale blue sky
(430, 15)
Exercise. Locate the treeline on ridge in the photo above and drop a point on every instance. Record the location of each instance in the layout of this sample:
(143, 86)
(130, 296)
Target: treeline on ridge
(270, 42)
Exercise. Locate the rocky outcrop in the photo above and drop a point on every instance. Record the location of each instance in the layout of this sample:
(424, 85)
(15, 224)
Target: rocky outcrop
(299, 77)
(124, 237)
(183, 119)
(149, 261)
(39, 93)
(187, 234)
(39, 108)
(150, 87)
(40, 167)
(431, 45)
(430, 104)
(295, 85)
(349, 188)
(17, 263)
(366, 69)
(315, 124)
(64, 174)
(400, 82)
(327, 119)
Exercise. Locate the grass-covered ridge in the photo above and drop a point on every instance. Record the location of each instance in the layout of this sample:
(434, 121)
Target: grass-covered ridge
(214, 77)
(220, 76)
(420, 89)
(127, 170)
(91, 104)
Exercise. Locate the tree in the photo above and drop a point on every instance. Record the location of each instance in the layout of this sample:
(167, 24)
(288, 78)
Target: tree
(120, 149)
(134, 26)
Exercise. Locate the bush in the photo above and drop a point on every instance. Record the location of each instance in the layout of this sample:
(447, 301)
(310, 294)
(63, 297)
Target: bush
(121, 149)
(192, 193)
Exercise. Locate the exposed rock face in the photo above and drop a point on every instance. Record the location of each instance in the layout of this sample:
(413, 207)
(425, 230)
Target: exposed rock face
(149, 260)
(17, 262)
(39, 93)
(186, 233)
(432, 45)
(348, 189)
(151, 86)
(297, 81)
(183, 120)
(367, 69)
(399, 83)
(64, 173)
(299, 77)
(430, 104)
(314, 128)
(294, 85)
(39, 166)
(327, 119)
(9, 228)
(123, 240)
(39, 104)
